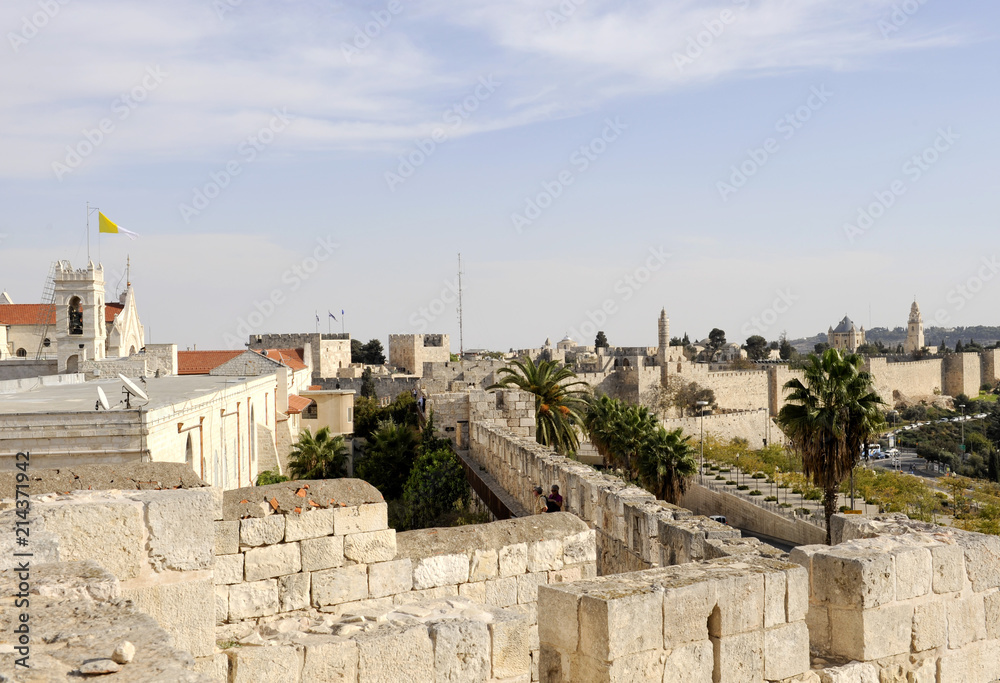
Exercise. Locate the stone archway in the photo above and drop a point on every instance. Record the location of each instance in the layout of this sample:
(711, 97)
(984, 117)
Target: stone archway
(73, 363)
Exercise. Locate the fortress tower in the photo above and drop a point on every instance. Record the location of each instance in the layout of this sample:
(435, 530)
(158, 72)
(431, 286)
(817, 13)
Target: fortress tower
(80, 327)
(914, 330)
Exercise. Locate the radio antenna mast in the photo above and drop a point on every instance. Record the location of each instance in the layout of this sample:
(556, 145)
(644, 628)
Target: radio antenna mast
(461, 337)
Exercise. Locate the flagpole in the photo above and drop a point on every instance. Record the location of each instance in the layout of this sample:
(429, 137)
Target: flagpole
(88, 231)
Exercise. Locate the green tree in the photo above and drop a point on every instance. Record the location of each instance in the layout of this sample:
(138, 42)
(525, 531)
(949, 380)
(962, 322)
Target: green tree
(601, 341)
(322, 456)
(357, 351)
(829, 416)
(436, 487)
(689, 395)
(785, 349)
(676, 341)
(560, 400)
(993, 467)
(373, 353)
(367, 384)
(269, 477)
(821, 348)
(666, 463)
(686, 341)
(388, 458)
(756, 347)
(958, 346)
(716, 338)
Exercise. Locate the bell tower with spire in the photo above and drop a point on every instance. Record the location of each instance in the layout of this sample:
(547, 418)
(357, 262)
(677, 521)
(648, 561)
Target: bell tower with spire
(80, 328)
(914, 330)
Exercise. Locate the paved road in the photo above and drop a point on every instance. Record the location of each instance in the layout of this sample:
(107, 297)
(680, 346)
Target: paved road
(921, 467)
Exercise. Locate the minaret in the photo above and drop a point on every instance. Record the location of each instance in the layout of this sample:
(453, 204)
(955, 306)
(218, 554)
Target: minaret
(914, 330)
(80, 328)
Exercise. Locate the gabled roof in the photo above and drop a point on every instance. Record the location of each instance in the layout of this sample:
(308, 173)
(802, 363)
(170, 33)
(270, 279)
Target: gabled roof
(202, 362)
(296, 404)
(45, 314)
(292, 358)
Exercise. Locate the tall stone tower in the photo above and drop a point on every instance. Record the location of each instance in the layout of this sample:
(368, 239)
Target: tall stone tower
(80, 328)
(914, 330)
(663, 337)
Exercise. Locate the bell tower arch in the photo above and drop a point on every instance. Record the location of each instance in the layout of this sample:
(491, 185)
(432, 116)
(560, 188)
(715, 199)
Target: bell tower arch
(80, 328)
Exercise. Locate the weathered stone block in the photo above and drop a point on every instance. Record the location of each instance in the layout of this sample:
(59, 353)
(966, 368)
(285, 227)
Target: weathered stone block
(270, 561)
(740, 605)
(280, 664)
(229, 569)
(309, 524)
(227, 538)
(966, 620)
(390, 578)
(580, 548)
(803, 555)
(511, 645)
(639, 666)
(948, 567)
(740, 656)
(322, 553)
(502, 592)
(685, 613)
(797, 597)
(854, 577)
(185, 609)
(913, 572)
(473, 591)
(334, 586)
(109, 532)
(513, 559)
(256, 599)
(372, 546)
(982, 560)
(394, 654)
(359, 519)
(930, 630)
(774, 599)
(293, 592)
(181, 533)
(441, 570)
(256, 531)
(221, 604)
(330, 660)
(870, 634)
(461, 650)
(558, 624)
(485, 565)
(691, 662)
(818, 622)
(992, 609)
(545, 555)
(527, 586)
(786, 651)
(622, 620)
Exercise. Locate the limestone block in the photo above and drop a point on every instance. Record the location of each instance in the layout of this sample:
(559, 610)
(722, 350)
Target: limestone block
(558, 624)
(257, 531)
(555, 666)
(966, 620)
(511, 644)
(513, 559)
(293, 592)
(803, 555)
(217, 497)
(854, 577)
(359, 519)
(870, 634)
(216, 667)
(256, 599)
(435, 593)
(685, 613)
(473, 591)
(441, 570)
(395, 654)
(229, 569)
(786, 651)
(930, 629)
(818, 622)
(330, 660)
(797, 597)
(111, 533)
(545, 555)
(913, 572)
(461, 651)
(501, 592)
(948, 567)
(740, 657)
(566, 574)
(618, 621)
(690, 662)
(227, 538)
(270, 561)
(310, 524)
(485, 565)
(280, 664)
(390, 578)
(855, 672)
(982, 560)
(992, 608)
(334, 586)
(185, 609)
(639, 666)
(371, 546)
(581, 547)
(221, 604)
(180, 528)
(322, 553)
(774, 599)
(527, 586)
(740, 605)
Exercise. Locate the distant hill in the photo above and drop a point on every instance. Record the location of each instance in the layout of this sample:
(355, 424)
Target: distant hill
(982, 334)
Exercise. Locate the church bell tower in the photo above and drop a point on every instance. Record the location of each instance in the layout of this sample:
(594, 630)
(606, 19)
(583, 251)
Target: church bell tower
(79, 301)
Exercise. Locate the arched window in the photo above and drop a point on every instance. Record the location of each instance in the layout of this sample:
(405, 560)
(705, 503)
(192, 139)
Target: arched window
(21, 353)
(75, 316)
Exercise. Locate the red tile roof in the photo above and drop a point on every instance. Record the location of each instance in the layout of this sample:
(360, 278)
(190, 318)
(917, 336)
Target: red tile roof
(202, 362)
(296, 404)
(289, 357)
(45, 314)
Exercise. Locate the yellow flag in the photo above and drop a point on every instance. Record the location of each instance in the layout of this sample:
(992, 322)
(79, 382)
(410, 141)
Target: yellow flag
(106, 225)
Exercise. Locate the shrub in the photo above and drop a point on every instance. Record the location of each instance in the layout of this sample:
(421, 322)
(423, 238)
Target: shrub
(730, 482)
(759, 475)
(797, 490)
(725, 470)
(269, 477)
(813, 494)
(755, 492)
(719, 477)
(803, 511)
(844, 508)
(785, 505)
(771, 499)
(742, 487)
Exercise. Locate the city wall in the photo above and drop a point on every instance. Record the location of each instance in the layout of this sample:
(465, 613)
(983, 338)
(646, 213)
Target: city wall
(911, 379)
(962, 374)
(990, 366)
(755, 426)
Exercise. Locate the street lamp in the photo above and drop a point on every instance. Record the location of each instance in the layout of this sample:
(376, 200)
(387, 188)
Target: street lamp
(701, 406)
(962, 406)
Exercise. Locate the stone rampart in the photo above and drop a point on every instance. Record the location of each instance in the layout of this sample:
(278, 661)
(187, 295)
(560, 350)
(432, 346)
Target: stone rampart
(755, 426)
(910, 378)
(962, 374)
(990, 366)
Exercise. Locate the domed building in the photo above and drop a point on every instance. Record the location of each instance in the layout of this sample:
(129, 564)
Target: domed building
(846, 336)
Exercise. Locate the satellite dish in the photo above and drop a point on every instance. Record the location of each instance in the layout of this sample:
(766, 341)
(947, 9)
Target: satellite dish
(130, 390)
(102, 398)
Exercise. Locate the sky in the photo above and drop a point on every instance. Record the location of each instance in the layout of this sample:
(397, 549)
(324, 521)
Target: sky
(760, 166)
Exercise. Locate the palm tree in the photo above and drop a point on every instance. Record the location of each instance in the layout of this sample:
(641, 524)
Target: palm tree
(829, 417)
(389, 457)
(666, 464)
(318, 457)
(559, 402)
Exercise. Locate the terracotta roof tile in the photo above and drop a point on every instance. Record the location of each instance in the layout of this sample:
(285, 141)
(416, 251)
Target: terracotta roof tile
(202, 362)
(296, 404)
(288, 357)
(45, 314)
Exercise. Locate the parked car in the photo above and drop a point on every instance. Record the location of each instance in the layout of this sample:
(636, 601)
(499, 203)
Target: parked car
(718, 518)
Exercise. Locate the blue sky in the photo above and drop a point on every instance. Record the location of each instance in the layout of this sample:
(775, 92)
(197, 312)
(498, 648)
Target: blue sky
(583, 156)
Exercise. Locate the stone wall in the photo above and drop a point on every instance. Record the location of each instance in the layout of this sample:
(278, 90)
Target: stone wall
(962, 374)
(23, 368)
(118, 439)
(13, 386)
(411, 351)
(990, 366)
(916, 378)
(133, 366)
(752, 425)
(745, 390)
